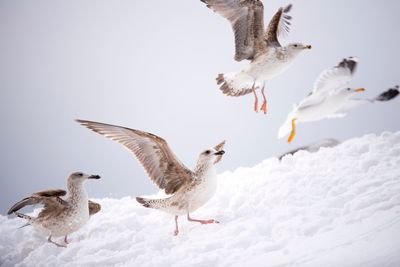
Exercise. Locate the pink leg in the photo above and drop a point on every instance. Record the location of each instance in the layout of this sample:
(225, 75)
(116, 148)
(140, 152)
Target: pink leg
(264, 105)
(176, 232)
(58, 245)
(255, 98)
(65, 240)
(201, 221)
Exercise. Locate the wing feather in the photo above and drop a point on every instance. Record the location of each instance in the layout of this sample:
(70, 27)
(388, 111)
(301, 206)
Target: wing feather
(153, 152)
(336, 78)
(278, 26)
(246, 18)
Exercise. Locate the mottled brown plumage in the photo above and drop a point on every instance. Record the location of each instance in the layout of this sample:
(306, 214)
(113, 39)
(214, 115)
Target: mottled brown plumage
(246, 18)
(51, 201)
(60, 216)
(189, 190)
(278, 25)
(153, 152)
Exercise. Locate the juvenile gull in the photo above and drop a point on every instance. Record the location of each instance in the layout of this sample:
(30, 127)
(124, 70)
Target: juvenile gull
(267, 56)
(189, 189)
(330, 98)
(60, 217)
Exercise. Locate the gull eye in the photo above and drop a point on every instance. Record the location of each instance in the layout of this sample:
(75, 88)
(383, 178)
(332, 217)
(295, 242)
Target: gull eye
(295, 45)
(79, 174)
(207, 152)
(348, 89)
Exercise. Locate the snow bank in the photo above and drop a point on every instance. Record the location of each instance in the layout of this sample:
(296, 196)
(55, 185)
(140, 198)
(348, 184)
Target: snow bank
(337, 207)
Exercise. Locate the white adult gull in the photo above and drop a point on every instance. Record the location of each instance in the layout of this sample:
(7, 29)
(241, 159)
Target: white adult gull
(60, 217)
(189, 189)
(252, 42)
(330, 98)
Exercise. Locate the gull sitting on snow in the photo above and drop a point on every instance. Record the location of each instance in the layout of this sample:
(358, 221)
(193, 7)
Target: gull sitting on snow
(267, 57)
(60, 217)
(189, 189)
(330, 98)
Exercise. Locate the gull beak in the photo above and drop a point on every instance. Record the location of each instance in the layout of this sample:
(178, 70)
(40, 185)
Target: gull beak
(359, 90)
(94, 177)
(307, 47)
(219, 153)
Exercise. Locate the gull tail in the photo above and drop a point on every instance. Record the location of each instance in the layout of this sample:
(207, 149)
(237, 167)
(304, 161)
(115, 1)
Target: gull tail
(144, 201)
(152, 203)
(235, 83)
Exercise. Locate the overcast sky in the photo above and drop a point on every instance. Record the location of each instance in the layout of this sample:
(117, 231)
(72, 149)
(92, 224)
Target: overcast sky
(151, 65)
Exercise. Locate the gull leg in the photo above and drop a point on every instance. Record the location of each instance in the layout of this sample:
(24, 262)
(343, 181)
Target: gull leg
(255, 97)
(201, 221)
(176, 232)
(264, 104)
(58, 245)
(293, 132)
(65, 240)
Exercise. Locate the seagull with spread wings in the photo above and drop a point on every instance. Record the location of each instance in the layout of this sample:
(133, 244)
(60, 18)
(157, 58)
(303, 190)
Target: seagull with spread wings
(188, 190)
(60, 217)
(330, 98)
(268, 58)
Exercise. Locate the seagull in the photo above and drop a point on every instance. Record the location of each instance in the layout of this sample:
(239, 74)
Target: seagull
(330, 98)
(188, 190)
(60, 217)
(267, 56)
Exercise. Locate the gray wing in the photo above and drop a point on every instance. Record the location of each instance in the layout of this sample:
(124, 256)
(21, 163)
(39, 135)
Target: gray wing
(336, 78)
(153, 152)
(247, 21)
(278, 26)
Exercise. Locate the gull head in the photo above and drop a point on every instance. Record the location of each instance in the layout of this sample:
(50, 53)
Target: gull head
(352, 91)
(79, 177)
(209, 156)
(297, 48)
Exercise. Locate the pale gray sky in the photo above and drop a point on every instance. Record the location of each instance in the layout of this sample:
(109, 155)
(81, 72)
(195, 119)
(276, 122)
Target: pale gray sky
(151, 65)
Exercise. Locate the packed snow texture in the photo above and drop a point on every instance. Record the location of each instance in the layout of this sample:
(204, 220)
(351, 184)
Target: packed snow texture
(337, 207)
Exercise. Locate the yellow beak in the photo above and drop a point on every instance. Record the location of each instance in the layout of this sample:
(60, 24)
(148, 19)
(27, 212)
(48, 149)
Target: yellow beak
(359, 90)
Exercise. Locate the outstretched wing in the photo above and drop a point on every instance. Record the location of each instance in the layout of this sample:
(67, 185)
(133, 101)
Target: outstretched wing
(336, 78)
(278, 26)
(246, 18)
(153, 152)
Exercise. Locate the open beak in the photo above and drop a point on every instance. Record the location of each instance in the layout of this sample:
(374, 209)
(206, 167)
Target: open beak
(307, 47)
(94, 177)
(219, 153)
(359, 90)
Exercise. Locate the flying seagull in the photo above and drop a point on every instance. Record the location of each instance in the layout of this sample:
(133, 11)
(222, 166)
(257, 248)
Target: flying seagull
(252, 42)
(188, 190)
(60, 217)
(330, 98)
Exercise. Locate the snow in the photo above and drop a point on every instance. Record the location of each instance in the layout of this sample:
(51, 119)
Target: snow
(339, 206)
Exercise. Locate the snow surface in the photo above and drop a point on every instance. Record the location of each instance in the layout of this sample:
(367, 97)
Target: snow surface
(337, 207)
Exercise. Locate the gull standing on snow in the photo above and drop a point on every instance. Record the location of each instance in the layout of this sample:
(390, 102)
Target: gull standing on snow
(267, 57)
(330, 98)
(189, 190)
(60, 217)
